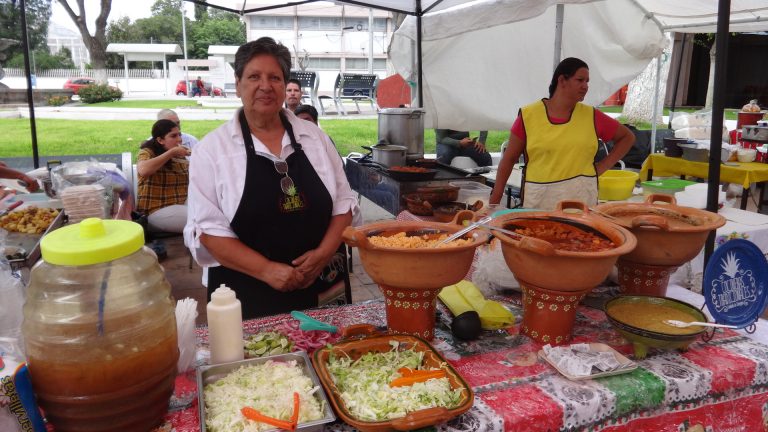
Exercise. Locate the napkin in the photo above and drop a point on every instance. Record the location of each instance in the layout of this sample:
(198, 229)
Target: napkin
(465, 296)
(186, 313)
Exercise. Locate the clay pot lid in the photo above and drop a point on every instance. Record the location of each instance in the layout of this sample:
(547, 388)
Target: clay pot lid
(656, 210)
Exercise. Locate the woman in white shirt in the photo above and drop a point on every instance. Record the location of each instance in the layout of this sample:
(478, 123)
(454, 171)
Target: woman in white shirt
(268, 197)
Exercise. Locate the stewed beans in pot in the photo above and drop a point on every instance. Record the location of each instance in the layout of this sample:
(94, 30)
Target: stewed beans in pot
(562, 236)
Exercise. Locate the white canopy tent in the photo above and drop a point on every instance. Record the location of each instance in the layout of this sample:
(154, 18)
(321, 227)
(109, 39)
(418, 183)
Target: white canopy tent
(477, 75)
(144, 52)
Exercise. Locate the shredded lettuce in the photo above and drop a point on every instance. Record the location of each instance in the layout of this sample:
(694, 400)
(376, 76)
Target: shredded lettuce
(266, 387)
(364, 385)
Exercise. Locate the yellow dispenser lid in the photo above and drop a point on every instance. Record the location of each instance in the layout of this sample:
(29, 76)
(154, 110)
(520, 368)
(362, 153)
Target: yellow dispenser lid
(92, 241)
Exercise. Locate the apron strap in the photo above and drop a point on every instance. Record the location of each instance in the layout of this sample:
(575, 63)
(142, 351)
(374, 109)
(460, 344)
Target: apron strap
(248, 140)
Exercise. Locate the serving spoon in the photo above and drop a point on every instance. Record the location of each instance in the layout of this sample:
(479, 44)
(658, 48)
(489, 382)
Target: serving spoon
(676, 323)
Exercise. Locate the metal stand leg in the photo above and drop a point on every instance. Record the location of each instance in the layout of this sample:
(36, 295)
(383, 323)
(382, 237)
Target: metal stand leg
(744, 198)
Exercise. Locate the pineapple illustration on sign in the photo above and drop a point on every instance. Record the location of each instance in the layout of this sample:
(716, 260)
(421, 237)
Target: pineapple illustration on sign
(735, 287)
(735, 284)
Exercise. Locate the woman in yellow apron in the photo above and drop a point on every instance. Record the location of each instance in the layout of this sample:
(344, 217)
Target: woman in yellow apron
(558, 137)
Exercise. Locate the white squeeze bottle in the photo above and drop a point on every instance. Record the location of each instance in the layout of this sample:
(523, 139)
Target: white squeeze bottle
(225, 326)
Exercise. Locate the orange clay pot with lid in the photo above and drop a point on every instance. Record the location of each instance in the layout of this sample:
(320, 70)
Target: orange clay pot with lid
(410, 278)
(100, 329)
(667, 234)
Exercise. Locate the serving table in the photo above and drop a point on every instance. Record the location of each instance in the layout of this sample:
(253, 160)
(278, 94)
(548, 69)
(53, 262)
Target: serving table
(721, 385)
(742, 173)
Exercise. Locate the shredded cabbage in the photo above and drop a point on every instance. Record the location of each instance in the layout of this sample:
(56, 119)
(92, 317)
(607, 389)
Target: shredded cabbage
(364, 385)
(266, 387)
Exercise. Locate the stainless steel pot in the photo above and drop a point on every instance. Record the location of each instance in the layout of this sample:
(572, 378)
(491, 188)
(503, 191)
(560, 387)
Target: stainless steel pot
(388, 155)
(405, 127)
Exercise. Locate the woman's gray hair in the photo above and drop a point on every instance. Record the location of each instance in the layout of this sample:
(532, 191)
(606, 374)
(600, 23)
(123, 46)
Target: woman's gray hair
(263, 45)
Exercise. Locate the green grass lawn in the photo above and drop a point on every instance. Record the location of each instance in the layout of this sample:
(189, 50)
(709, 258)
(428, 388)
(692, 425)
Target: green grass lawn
(73, 137)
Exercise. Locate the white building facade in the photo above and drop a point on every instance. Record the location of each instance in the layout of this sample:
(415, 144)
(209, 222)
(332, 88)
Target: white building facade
(327, 38)
(61, 37)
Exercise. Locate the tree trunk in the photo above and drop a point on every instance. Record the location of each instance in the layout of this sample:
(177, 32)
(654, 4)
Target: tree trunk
(638, 106)
(96, 43)
(711, 82)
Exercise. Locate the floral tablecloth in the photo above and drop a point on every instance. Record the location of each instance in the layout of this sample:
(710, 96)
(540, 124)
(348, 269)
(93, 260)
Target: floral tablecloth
(721, 385)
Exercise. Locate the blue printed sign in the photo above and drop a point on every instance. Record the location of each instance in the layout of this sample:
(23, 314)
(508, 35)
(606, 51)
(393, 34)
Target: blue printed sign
(736, 283)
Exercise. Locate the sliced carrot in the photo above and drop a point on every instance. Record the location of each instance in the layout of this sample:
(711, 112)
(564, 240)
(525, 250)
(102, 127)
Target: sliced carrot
(295, 415)
(420, 376)
(254, 415)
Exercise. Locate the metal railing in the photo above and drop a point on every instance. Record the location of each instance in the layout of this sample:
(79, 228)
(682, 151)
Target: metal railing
(67, 73)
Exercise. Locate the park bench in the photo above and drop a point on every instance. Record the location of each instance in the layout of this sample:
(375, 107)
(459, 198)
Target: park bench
(309, 83)
(355, 88)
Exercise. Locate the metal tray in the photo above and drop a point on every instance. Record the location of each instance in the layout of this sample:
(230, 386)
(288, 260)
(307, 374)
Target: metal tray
(29, 244)
(210, 374)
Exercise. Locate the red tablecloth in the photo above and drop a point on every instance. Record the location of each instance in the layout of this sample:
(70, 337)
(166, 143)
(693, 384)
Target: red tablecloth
(721, 385)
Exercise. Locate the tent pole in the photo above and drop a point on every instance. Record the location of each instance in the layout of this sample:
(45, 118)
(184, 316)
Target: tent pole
(655, 109)
(718, 106)
(186, 61)
(420, 77)
(558, 34)
(677, 80)
(27, 69)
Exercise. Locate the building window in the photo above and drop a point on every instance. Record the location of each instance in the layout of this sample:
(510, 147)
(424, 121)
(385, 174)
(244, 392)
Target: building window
(324, 63)
(362, 63)
(319, 23)
(361, 24)
(357, 63)
(271, 22)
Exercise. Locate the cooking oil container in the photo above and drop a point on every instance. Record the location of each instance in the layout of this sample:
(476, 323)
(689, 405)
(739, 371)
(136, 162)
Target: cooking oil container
(100, 329)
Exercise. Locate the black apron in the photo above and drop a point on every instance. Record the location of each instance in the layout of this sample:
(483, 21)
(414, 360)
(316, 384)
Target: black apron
(280, 227)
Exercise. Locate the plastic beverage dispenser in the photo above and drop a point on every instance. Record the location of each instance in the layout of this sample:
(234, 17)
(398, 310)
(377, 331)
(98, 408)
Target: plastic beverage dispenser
(100, 329)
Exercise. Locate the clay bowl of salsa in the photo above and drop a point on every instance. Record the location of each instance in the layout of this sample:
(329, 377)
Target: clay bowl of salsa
(584, 248)
(640, 319)
(667, 234)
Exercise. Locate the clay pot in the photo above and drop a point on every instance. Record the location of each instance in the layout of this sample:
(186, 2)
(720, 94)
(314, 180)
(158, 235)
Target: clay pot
(643, 279)
(548, 315)
(667, 234)
(561, 270)
(411, 278)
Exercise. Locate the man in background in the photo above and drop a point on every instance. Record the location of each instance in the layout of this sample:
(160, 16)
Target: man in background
(187, 140)
(292, 94)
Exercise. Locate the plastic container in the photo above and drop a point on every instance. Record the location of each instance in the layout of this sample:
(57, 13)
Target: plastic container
(100, 329)
(665, 186)
(472, 191)
(746, 155)
(616, 185)
(225, 326)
